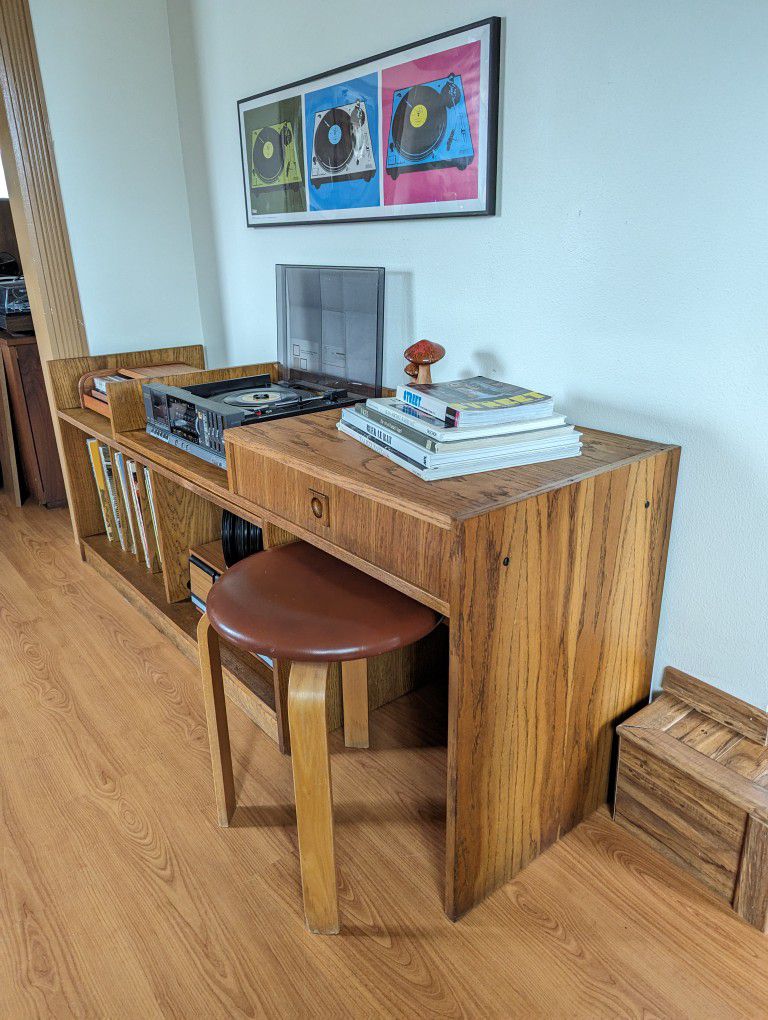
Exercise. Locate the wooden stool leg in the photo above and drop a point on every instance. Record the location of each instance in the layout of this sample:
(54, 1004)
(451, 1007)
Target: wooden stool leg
(216, 714)
(314, 803)
(354, 687)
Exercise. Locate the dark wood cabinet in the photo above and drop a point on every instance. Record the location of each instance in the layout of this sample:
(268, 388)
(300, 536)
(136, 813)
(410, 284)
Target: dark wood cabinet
(32, 423)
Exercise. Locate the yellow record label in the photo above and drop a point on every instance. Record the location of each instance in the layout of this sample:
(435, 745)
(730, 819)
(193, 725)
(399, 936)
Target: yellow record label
(418, 115)
(268, 150)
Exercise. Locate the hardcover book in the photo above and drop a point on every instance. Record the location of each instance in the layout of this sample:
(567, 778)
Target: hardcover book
(476, 401)
(435, 435)
(106, 463)
(101, 486)
(473, 451)
(453, 470)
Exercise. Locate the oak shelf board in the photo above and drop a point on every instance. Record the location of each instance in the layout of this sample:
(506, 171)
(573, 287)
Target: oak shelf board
(179, 621)
(185, 469)
(93, 424)
(338, 458)
(205, 479)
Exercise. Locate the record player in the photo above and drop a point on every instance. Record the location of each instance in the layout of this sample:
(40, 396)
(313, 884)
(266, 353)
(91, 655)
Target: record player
(194, 418)
(429, 128)
(274, 162)
(330, 319)
(341, 145)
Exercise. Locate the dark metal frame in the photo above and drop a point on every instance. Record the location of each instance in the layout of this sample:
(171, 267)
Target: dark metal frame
(494, 48)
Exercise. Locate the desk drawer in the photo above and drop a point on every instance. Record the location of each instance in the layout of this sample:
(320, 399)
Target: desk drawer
(398, 543)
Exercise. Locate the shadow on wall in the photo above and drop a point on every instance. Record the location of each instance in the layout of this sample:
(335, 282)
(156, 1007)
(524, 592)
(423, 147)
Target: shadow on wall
(186, 60)
(398, 323)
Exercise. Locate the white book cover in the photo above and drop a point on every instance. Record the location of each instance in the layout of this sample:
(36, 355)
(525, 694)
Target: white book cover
(114, 502)
(125, 489)
(437, 430)
(151, 499)
(488, 449)
(133, 477)
(439, 473)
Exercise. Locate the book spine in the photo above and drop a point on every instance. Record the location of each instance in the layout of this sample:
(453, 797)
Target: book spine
(133, 477)
(404, 418)
(151, 501)
(413, 435)
(386, 437)
(425, 402)
(119, 461)
(98, 475)
(106, 463)
(372, 444)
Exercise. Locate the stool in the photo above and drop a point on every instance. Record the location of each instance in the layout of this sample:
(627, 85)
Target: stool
(296, 602)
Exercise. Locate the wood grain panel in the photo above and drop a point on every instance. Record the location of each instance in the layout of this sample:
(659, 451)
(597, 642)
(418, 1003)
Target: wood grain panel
(8, 462)
(669, 808)
(751, 899)
(183, 520)
(336, 458)
(725, 708)
(65, 373)
(84, 504)
(553, 628)
(401, 544)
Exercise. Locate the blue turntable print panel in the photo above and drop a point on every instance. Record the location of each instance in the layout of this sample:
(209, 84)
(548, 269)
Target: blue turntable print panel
(342, 145)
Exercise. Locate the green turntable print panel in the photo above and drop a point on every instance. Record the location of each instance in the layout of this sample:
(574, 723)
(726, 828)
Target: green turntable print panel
(276, 160)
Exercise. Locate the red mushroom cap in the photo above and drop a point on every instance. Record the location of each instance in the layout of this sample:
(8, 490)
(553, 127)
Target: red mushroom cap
(411, 369)
(424, 352)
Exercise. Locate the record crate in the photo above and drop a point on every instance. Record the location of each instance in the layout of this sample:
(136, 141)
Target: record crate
(692, 782)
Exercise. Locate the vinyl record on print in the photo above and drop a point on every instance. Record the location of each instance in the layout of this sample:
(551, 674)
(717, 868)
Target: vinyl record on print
(419, 122)
(334, 141)
(268, 154)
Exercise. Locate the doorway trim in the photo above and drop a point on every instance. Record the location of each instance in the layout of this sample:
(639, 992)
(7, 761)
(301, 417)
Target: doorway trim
(29, 163)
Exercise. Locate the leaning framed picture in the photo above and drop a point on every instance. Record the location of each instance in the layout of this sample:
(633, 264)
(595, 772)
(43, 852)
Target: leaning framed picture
(408, 133)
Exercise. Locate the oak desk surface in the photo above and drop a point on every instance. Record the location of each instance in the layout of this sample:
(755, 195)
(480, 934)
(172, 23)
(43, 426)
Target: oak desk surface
(313, 442)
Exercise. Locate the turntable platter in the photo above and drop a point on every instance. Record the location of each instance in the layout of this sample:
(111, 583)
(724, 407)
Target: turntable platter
(260, 397)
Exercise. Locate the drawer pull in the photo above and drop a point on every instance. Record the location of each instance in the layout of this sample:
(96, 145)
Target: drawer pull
(317, 507)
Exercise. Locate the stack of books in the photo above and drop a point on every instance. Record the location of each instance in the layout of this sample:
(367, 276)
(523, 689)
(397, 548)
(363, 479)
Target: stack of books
(441, 430)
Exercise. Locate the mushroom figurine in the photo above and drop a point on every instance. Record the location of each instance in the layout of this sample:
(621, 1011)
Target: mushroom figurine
(420, 356)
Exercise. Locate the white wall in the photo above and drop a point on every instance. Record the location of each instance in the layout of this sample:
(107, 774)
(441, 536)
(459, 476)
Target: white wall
(109, 88)
(626, 272)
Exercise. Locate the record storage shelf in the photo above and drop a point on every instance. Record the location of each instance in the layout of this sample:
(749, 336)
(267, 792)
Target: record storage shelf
(189, 495)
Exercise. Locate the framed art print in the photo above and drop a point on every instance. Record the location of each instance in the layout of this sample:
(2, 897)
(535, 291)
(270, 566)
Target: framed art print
(408, 133)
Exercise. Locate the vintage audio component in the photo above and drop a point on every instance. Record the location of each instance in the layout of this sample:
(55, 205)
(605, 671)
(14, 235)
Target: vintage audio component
(195, 418)
(15, 314)
(429, 128)
(333, 316)
(274, 159)
(341, 145)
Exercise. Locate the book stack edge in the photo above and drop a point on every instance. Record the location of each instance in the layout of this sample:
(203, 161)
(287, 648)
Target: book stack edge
(445, 430)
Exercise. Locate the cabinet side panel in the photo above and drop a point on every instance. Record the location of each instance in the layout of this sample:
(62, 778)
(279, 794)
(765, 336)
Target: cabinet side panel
(549, 650)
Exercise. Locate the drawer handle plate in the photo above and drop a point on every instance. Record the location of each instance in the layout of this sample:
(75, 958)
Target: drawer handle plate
(319, 505)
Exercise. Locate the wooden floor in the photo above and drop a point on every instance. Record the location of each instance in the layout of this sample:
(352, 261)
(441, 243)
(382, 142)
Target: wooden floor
(120, 897)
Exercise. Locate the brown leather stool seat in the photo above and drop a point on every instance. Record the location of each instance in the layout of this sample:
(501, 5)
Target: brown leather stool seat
(295, 602)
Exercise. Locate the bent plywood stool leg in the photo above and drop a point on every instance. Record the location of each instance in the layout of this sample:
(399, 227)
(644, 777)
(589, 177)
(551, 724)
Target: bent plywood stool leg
(354, 687)
(312, 785)
(216, 715)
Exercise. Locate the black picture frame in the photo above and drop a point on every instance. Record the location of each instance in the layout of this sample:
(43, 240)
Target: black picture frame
(281, 189)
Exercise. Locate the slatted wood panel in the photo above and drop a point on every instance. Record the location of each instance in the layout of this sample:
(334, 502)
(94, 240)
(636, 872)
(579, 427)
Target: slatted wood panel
(33, 185)
(121, 898)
